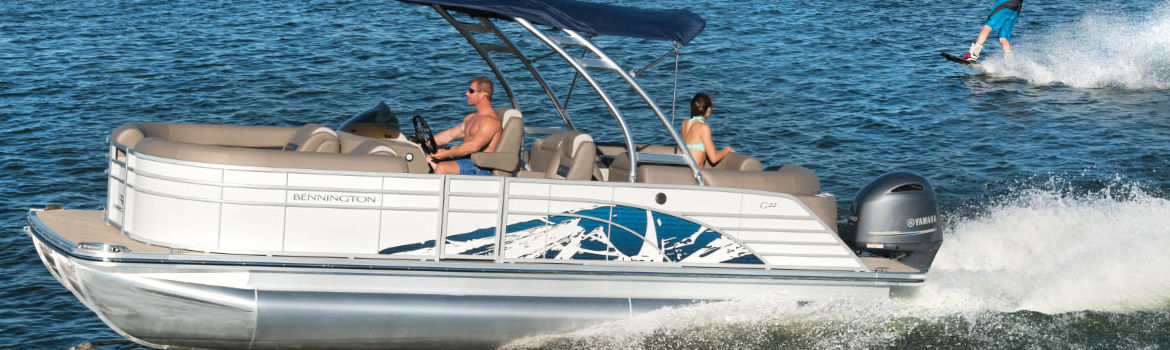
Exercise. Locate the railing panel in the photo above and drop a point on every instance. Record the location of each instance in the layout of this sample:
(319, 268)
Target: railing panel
(175, 222)
(263, 178)
(473, 211)
(409, 233)
(116, 189)
(331, 230)
(252, 228)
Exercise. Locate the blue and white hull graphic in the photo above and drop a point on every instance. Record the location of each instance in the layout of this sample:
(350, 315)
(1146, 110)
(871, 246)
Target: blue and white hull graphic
(610, 233)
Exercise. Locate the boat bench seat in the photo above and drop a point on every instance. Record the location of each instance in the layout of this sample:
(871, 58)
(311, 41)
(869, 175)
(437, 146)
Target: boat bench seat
(312, 146)
(313, 137)
(309, 138)
(791, 179)
(409, 152)
(795, 180)
(733, 160)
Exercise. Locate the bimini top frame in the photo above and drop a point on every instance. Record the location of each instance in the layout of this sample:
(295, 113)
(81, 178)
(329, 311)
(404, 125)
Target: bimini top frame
(573, 18)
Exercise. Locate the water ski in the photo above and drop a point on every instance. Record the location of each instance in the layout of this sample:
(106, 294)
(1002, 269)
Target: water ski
(975, 66)
(958, 59)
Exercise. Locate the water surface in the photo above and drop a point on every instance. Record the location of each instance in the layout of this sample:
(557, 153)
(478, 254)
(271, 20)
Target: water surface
(1053, 173)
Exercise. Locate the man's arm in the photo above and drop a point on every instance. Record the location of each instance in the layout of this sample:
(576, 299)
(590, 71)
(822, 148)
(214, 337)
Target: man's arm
(446, 136)
(481, 133)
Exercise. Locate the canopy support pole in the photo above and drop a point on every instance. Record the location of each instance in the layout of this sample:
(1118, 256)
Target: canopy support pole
(603, 61)
(486, 26)
(674, 91)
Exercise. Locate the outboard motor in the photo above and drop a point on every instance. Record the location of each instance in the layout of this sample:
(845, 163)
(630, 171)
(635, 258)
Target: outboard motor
(896, 216)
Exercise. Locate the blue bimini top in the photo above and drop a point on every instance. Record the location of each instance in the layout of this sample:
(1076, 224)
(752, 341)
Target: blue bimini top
(679, 26)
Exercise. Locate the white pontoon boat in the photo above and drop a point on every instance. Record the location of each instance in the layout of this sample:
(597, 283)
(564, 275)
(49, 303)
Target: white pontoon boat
(219, 236)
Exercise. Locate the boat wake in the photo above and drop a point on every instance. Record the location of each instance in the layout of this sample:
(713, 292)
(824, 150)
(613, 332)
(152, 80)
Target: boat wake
(1051, 250)
(1101, 50)
(1042, 265)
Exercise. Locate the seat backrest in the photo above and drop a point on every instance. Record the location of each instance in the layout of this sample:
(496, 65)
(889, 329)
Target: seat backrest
(737, 161)
(791, 179)
(314, 137)
(348, 141)
(408, 151)
(249, 136)
(374, 147)
(511, 137)
(577, 157)
(545, 153)
(268, 158)
(512, 132)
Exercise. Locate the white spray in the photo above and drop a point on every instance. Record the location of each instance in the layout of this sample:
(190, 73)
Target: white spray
(1051, 251)
(1041, 248)
(1100, 50)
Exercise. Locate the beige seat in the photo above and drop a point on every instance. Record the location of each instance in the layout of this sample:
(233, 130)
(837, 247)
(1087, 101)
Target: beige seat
(269, 137)
(505, 161)
(314, 137)
(259, 146)
(269, 158)
(733, 160)
(571, 156)
(543, 156)
(374, 147)
(795, 180)
(578, 157)
(791, 179)
(737, 161)
(408, 151)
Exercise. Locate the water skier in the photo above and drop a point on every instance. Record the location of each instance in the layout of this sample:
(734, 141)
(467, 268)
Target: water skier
(1002, 18)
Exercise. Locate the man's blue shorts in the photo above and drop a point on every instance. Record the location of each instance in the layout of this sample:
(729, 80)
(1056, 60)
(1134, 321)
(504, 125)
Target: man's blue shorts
(1003, 21)
(466, 167)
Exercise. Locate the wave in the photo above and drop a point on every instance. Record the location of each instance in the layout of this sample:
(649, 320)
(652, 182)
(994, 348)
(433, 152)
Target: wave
(1046, 265)
(745, 325)
(1101, 50)
(1052, 250)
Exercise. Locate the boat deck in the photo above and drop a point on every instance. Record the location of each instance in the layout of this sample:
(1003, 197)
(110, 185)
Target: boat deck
(88, 226)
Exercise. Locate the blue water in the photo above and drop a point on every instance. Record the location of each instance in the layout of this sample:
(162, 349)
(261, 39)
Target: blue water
(1054, 173)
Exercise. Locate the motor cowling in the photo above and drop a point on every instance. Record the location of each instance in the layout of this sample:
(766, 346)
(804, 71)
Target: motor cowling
(896, 216)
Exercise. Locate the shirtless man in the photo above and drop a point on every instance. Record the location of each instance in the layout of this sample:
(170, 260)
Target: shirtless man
(480, 132)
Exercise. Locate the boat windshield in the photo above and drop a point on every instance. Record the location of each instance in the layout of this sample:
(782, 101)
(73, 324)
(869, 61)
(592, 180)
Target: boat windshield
(377, 122)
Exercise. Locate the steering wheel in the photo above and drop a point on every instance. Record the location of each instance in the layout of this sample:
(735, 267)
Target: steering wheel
(423, 136)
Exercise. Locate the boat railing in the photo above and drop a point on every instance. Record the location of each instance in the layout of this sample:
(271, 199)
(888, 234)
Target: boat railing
(306, 212)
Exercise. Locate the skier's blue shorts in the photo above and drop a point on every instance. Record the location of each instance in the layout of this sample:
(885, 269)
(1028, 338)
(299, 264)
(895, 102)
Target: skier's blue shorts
(1003, 21)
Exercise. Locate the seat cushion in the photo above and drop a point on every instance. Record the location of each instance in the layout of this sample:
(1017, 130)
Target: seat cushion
(314, 137)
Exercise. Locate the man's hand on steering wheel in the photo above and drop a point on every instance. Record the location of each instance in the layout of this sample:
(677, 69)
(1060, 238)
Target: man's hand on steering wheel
(423, 136)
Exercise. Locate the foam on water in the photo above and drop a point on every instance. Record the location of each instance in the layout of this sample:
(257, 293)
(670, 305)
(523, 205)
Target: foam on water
(1036, 265)
(1053, 251)
(1099, 50)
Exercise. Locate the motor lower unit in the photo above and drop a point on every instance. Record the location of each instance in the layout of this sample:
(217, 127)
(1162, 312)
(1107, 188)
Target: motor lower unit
(896, 216)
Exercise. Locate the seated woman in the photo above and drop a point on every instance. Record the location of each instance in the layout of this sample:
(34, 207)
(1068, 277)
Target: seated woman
(696, 134)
